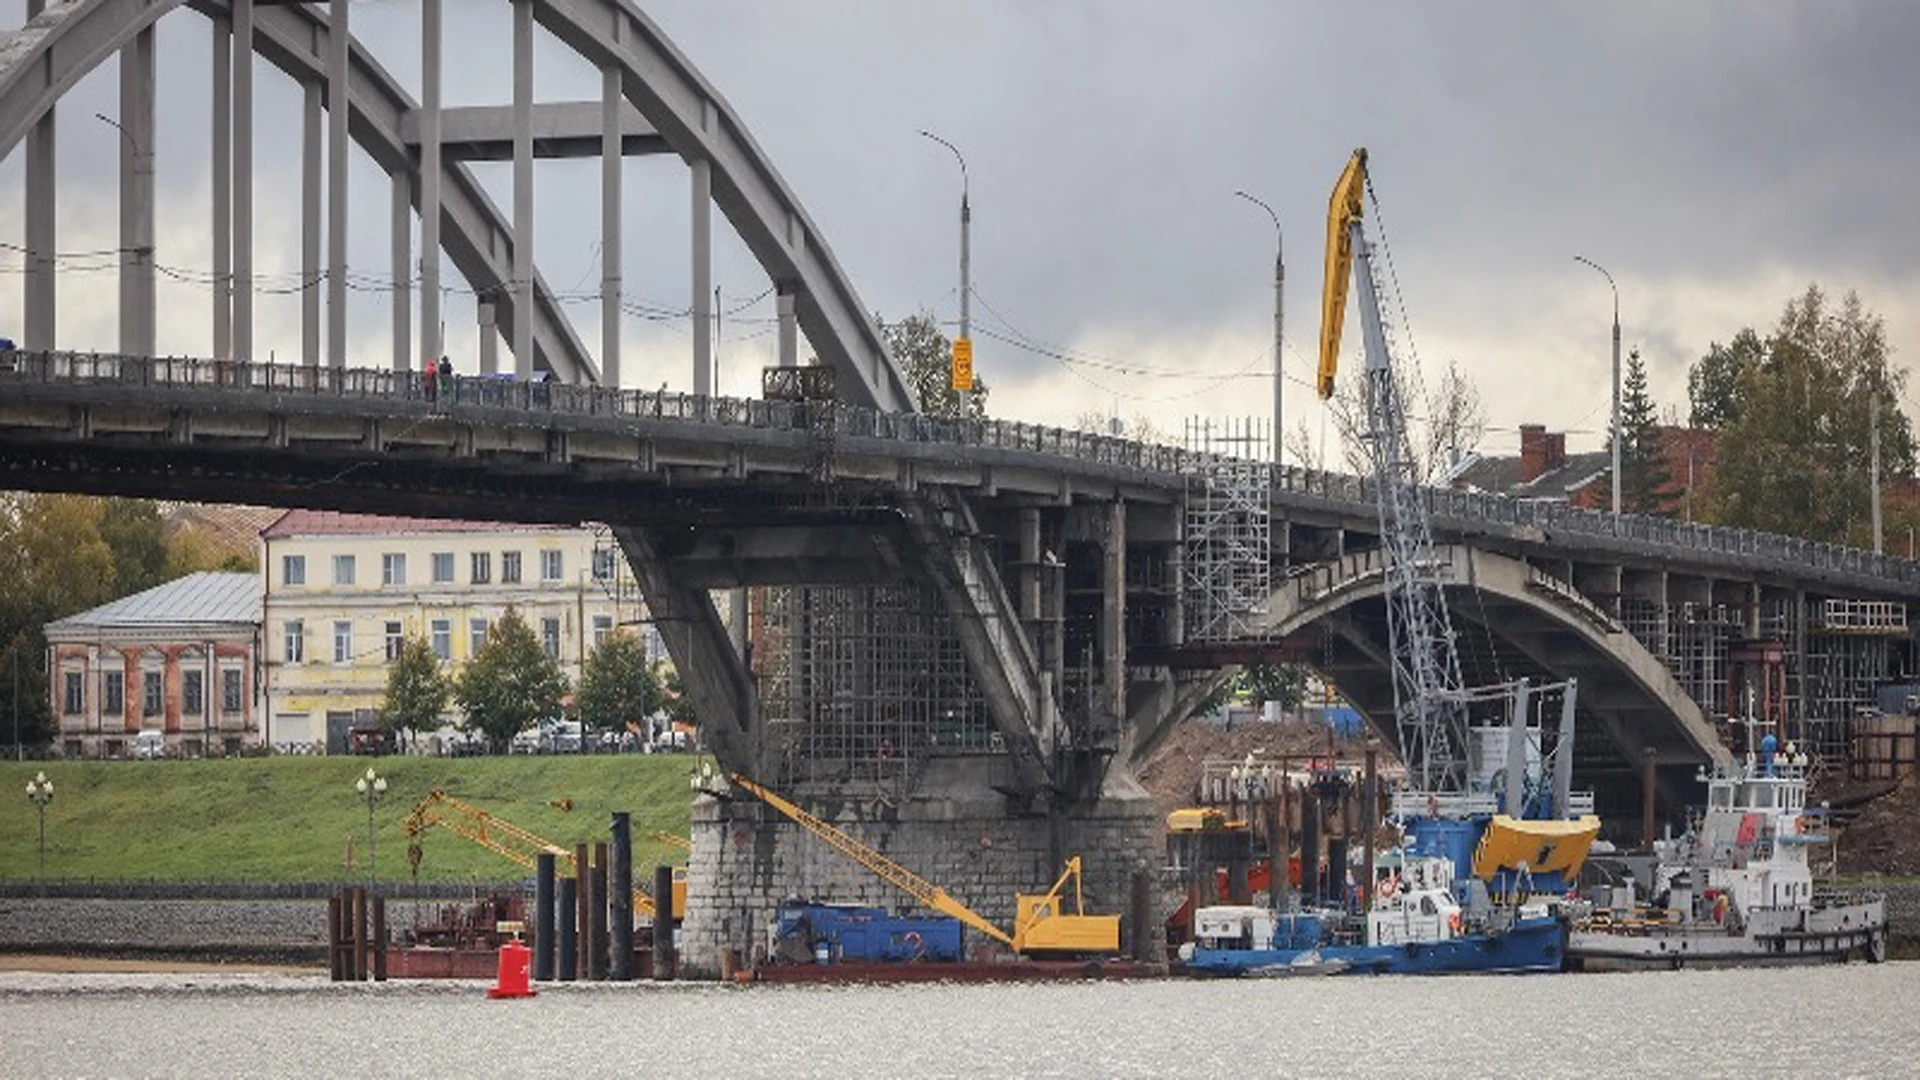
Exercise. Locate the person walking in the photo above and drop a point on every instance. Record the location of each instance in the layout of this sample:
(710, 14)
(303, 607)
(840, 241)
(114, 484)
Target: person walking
(446, 377)
(428, 382)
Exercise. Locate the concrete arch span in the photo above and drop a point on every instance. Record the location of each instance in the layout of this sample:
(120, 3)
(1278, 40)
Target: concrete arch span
(1539, 624)
(59, 47)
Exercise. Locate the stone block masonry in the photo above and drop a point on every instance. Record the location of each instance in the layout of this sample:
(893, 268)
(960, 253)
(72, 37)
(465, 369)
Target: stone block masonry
(955, 831)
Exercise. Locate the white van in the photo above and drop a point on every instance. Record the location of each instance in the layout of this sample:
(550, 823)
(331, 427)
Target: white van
(149, 746)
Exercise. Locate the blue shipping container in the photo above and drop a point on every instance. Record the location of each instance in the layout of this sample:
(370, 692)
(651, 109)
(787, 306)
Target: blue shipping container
(868, 934)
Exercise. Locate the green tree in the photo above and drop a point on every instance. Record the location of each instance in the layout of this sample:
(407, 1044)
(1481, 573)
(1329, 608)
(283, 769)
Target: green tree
(134, 530)
(1284, 683)
(1713, 383)
(1644, 475)
(53, 563)
(417, 690)
(510, 684)
(675, 699)
(925, 357)
(1794, 459)
(618, 690)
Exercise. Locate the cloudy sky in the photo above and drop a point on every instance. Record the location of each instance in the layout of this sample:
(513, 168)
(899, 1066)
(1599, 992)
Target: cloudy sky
(1715, 156)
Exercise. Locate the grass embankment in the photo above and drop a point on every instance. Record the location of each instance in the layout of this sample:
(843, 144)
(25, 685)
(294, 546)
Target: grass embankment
(293, 819)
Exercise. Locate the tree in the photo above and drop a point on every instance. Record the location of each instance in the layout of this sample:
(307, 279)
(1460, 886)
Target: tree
(1644, 475)
(417, 690)
(1794, 458)
(53, 563)
(1714, 380)
(134, 531)
(1284, 683)
(510, 684)
(618, 690)
(1454, 419)
(925, 357)
(675, 699)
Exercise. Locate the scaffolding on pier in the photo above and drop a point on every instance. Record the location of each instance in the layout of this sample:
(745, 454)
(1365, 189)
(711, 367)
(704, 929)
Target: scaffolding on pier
(1227, 575)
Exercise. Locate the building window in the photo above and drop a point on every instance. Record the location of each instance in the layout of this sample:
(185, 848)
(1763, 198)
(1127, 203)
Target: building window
(393, 569)
(232, 684)
(76, 695)
(343, 642)
(293, 570)
(482, 567)
(113, 693)
(552, 566)
(443, 638)
(396, 640)
(343, 569)
(550, 637)
(151, 687)
(193, 700)
(295, 649)
(509, 568)
(442, 567)
(476, 636)
(602, 629)
(603, 564)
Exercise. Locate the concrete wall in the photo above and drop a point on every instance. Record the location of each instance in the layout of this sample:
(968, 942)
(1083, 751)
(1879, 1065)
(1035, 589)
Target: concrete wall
(955, 832)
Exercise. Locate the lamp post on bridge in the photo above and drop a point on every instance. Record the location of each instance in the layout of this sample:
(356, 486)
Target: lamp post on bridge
(962, 345)
(137, 296)
(1279, 322)
(1616, 376)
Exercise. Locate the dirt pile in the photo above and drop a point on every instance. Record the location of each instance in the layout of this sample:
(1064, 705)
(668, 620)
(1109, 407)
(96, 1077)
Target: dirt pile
(1172, 772)
(1884, 837)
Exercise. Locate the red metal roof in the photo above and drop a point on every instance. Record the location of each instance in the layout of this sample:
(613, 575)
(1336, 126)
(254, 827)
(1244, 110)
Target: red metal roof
(336, 523)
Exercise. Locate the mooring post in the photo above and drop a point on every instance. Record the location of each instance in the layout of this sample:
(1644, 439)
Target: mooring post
(379, 938)
(564, 936)
(597, 967)
(544, 945)
(620, 897)
(359, 933)
(1369, 820)
(663, 923)
(1648, 782)
(336, 971)
(583, 911)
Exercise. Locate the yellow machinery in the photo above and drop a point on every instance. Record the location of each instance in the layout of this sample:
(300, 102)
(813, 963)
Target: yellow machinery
(1343, 209)
(1040, 923)
(520, 846)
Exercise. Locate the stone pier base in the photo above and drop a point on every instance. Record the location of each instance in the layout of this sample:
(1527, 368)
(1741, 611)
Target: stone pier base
(956, 831)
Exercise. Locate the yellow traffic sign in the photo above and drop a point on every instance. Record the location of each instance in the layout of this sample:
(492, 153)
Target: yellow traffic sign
(962, 364)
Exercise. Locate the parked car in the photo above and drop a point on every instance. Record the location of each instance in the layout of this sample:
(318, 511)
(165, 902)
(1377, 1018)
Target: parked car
(672, 742)
(149, 746)
(560, 737)
(526, 742)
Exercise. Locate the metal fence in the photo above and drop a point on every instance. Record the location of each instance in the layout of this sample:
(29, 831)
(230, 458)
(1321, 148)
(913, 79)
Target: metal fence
(1460, 508)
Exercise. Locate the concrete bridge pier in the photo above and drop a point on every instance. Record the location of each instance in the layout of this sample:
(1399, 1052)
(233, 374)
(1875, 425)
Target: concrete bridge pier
(955, 830)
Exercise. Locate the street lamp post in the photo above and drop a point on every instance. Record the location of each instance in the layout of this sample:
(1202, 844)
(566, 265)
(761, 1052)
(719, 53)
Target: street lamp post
(966, 249)
(370, 787)
(1279, 323)
(40, 793)
(137, 223)
(1616, 376)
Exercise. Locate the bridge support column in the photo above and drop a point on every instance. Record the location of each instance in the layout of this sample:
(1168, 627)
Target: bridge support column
(222, 147)
(136, 194)
(402, 271)
(523, 188)
(310, 224)
(38, 330)
(789, 346)
(702, 207)
(954, 831)
(240, 121)
(611, 98)
(339, 40)
(1113, 622)
(489, 337)
(430, 49)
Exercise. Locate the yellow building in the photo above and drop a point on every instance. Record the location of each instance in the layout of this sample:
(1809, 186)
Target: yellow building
(343, 591)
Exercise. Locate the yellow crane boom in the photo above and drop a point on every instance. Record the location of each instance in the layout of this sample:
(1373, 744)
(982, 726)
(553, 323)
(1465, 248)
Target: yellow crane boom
(1344, 207)
(501, 837)
(926, 892)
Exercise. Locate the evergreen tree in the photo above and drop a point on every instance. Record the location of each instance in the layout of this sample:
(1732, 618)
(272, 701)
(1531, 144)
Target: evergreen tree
(618, 690)
(510, 685)
(417, 690)
(1643, 460)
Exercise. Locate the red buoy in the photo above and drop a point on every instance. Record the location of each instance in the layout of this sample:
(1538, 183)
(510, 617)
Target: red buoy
(515, 980)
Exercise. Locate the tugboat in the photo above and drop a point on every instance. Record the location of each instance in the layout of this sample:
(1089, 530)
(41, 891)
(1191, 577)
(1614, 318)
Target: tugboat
(1736, 888)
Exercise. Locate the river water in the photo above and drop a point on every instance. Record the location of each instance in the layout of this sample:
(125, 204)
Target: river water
(1829, 1022)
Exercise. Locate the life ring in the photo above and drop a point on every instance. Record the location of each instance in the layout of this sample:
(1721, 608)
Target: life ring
(912, 940)
(1388, 887)
(1453, 921)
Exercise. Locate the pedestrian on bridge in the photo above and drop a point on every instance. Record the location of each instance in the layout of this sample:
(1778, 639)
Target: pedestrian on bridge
(446, 377)
(428, 382)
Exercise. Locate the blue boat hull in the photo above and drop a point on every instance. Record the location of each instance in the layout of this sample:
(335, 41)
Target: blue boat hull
(1530, 945)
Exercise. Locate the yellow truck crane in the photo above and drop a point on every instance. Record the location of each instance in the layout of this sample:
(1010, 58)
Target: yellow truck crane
(517, 844)
(1042, 925)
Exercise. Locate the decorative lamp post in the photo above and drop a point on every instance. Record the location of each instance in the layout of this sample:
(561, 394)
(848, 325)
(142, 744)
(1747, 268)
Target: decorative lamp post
(1616, 376)
(962, 379)
(370, 787)
(1279, 323)
(40, 793)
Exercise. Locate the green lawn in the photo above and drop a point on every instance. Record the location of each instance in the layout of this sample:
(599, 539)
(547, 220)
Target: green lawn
(292, 819)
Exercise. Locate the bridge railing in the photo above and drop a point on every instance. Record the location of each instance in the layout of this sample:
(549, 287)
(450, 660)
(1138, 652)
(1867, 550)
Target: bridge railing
(507, 392)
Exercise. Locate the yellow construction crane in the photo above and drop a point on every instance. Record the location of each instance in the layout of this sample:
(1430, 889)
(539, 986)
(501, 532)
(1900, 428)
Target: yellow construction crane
(517, 844)
(1343, 209)
(1040, 923)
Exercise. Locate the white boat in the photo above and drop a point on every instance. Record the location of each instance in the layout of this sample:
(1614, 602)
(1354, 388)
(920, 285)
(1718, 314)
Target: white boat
(1737, 888)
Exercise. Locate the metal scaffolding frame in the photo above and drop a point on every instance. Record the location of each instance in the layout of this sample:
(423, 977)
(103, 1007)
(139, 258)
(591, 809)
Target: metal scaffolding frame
(859, 685)
(1850, 654)
(1229, 538)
